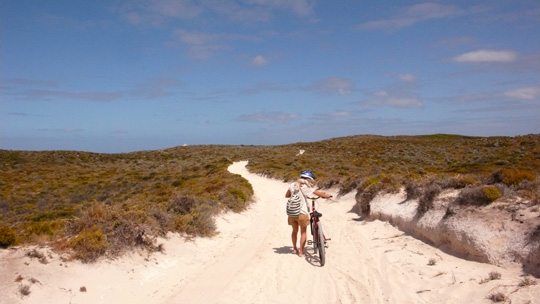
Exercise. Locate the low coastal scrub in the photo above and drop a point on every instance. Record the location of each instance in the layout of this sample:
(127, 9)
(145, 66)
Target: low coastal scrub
(482, 195)
(103, 204)
(7, 237)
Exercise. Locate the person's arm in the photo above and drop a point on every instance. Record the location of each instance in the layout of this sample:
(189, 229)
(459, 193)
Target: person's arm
(322, 194)
(288, 194)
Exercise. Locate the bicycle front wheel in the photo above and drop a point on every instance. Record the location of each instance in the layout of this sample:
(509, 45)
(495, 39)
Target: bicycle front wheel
(314, 233)
(320, 244)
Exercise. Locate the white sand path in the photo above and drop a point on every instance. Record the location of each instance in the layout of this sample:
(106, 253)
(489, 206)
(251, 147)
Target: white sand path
(251, 261)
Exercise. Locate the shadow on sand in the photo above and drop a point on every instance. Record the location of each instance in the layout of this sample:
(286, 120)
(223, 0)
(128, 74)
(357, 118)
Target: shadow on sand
(284, 250)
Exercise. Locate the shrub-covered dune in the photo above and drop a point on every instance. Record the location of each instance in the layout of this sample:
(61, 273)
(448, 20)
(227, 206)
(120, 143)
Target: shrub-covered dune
(94, 204)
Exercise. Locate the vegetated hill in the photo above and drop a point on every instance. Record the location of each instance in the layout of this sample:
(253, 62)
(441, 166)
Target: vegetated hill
(96, 204)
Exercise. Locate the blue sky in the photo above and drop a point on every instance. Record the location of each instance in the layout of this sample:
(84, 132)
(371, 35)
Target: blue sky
(121, 76)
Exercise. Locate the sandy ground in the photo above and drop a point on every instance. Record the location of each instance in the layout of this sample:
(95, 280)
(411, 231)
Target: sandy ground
(251, 261)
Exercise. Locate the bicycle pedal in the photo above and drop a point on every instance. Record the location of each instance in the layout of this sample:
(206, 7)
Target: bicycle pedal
(329, 239)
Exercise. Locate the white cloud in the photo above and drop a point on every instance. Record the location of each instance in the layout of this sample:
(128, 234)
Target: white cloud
(268, 117)
(387, 99)
(202, 44)
(340, 113)
(528, 93)
(381, 93)
(158, 12)
(336, 115)
(264, 87)
(486, 56)
(156, 88)
(333, 85)
(298, 7)
(408, 77)
(90, 95)
(259, 60)
(412, 15)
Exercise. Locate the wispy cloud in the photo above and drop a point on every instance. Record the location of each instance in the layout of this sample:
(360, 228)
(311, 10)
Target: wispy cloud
(385, 98)
(26, 82)
(259, 60)
(63, 130)
(412, 15)
(204, 45)
(159, 12)
(528, 93)
(483, 56)
(36, 94)
(157, 88)
(43, 89)
(408, 77)
(24, 114)
(264, 87)
(333, 86)
(268, 117)
(201, 44)
(333, 115)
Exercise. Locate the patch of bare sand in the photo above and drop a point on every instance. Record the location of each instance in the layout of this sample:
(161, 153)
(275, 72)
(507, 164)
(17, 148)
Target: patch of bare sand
(251, 261)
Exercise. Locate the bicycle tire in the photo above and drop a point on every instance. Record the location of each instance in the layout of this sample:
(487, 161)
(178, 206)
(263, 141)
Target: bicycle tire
(314, 234)
(320, 244)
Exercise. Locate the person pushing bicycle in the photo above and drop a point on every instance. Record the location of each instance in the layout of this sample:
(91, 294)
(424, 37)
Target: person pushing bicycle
(306, 189)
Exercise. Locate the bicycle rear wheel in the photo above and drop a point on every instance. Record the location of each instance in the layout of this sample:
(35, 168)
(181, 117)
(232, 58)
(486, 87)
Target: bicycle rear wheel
(320, 244)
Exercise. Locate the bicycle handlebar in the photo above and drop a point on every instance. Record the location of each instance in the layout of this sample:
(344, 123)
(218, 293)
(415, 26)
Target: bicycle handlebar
(318, 197)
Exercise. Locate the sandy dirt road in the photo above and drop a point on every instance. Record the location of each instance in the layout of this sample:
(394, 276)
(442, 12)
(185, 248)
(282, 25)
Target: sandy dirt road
(251, 261)
(367, 262)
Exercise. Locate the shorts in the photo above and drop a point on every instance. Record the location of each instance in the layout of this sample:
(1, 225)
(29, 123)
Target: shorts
(302, 220)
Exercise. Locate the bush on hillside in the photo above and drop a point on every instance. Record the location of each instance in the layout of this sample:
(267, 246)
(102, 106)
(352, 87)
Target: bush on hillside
(483, 195)
(7, 237)
(89, 245)
(194, 216)
(111, 229)
(511, 177)
(428, 195)
(412, 190)
(365, 194)
(459, 182)
(491, 193)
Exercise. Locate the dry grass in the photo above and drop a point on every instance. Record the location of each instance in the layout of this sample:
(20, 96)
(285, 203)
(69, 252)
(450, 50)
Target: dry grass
(527, 281)
(24, 290)
(493, 275)
(103, 204)
(497, 297)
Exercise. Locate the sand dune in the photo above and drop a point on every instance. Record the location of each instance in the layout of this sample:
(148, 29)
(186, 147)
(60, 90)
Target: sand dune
(251, 261)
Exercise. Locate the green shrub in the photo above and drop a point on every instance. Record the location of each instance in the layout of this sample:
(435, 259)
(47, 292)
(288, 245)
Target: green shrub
(49, 228)
(370, 181)
(183, 204)
(511, 177)
(478, 195)
(7, 237)
(89, 245)
(491, 193)
(460, 182)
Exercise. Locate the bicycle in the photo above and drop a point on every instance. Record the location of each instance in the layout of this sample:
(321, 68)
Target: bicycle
(319, 239)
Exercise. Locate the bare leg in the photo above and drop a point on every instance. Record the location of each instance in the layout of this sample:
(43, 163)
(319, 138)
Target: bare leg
(303, 238)
(294, 236)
